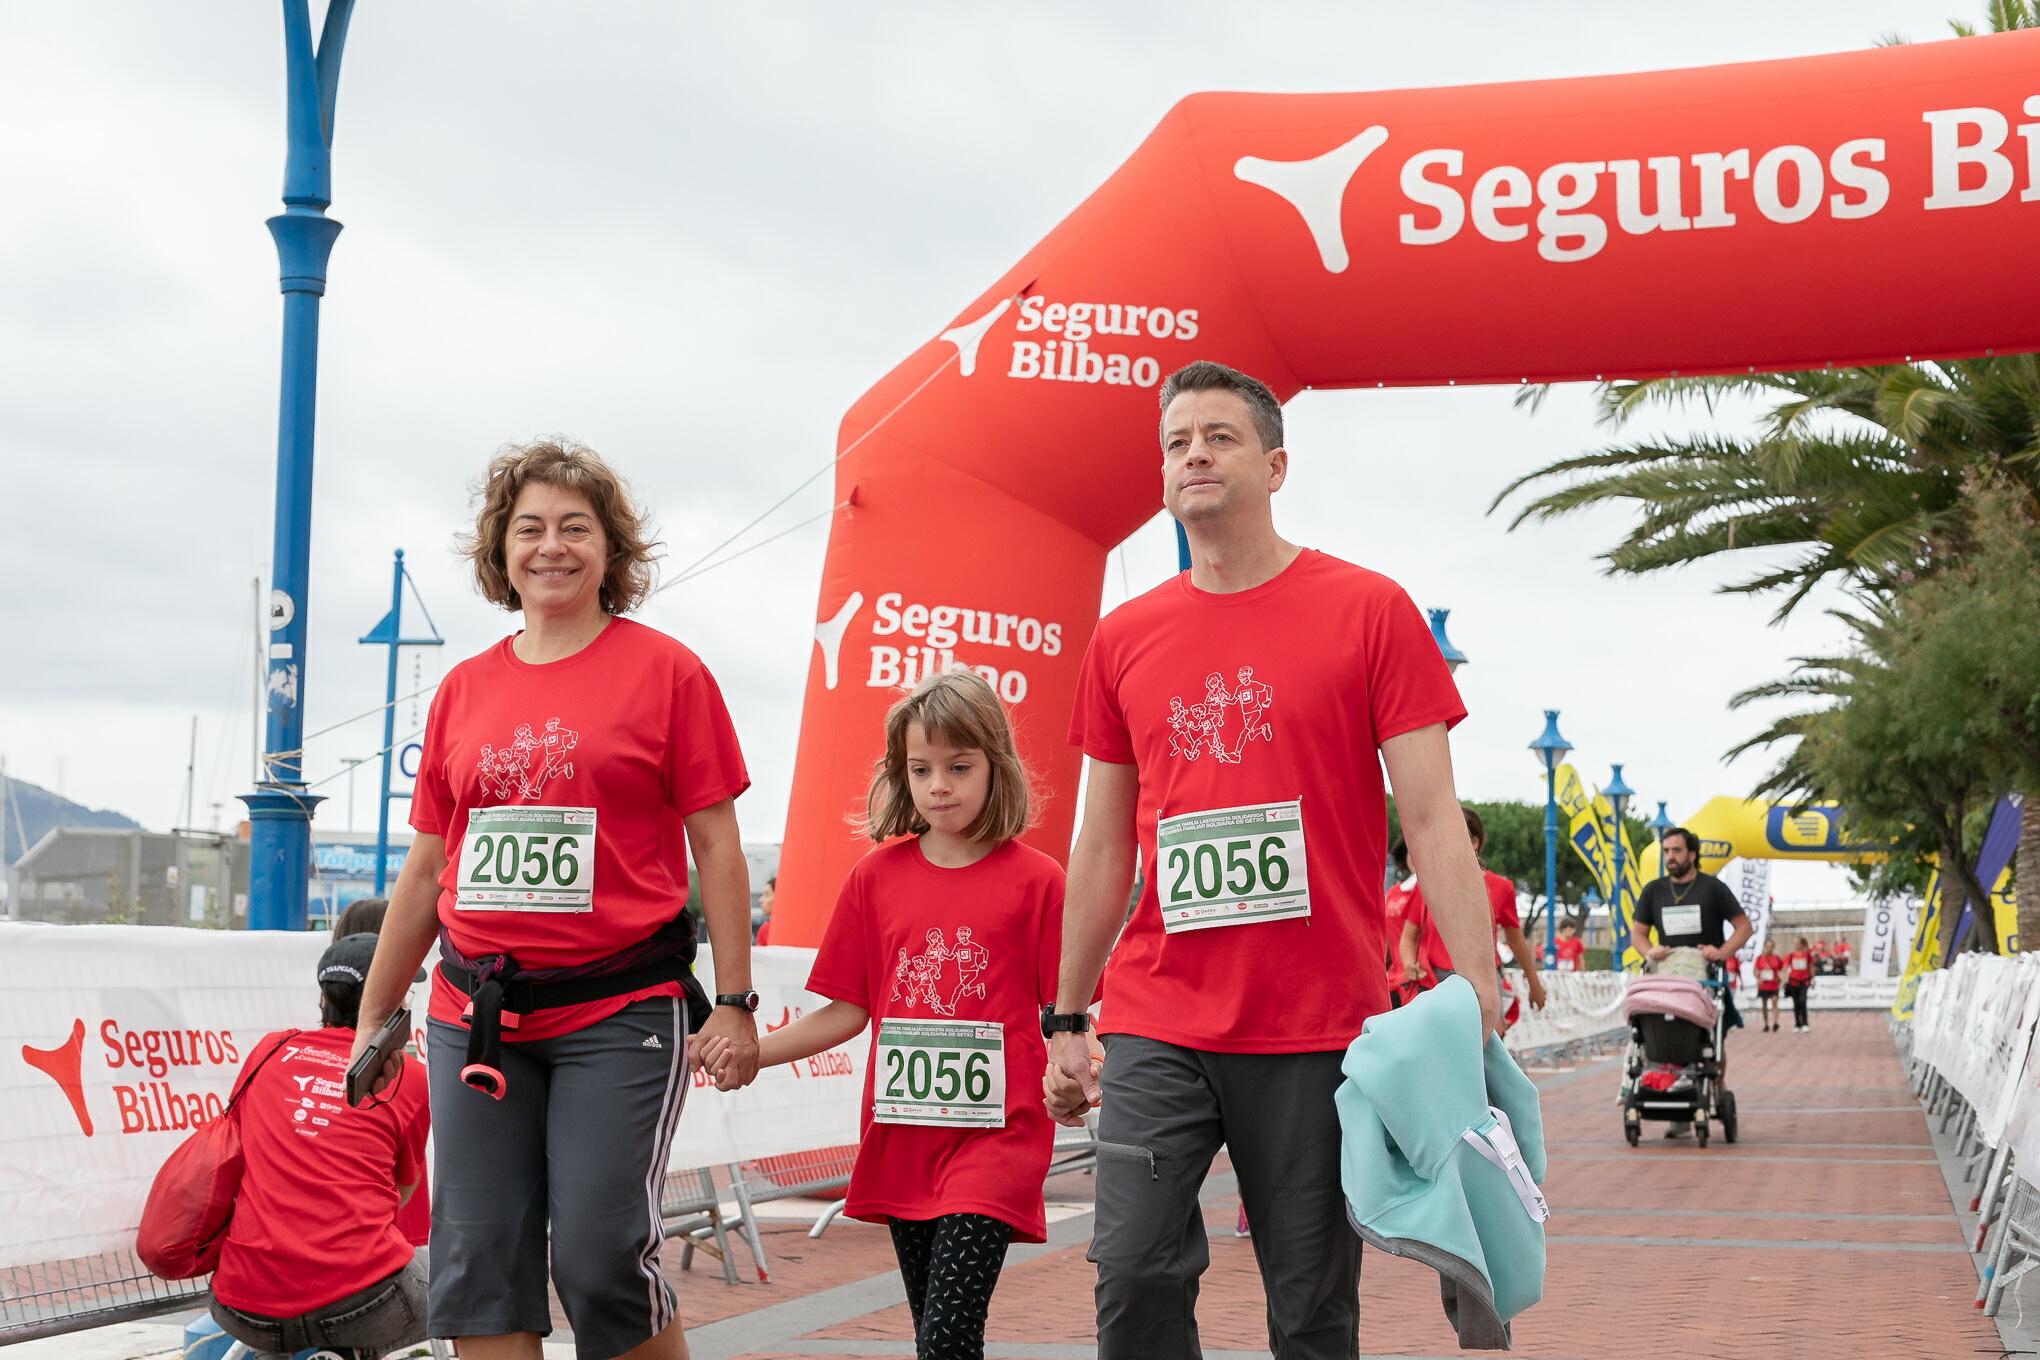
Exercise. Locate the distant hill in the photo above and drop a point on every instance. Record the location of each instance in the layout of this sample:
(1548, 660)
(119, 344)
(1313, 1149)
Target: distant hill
(42, 810)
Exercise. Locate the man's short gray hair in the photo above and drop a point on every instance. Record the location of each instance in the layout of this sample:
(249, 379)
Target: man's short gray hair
(1205, 375)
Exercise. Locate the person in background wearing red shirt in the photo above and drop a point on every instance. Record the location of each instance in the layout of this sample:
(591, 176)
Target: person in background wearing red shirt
(765, 906)
(1570, 948)
(1841, 957)
(1405, 969)
(1798, 982)
(1821, 966)
(313, 1256)
(1232, 719)
(1419, 930)
(567, 772)
(948, 936)
(1770, 973)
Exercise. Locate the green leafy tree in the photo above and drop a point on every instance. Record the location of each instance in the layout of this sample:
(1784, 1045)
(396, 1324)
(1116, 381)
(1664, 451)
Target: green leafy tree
(1974, 631)
(1888, 745)
(1515, 847)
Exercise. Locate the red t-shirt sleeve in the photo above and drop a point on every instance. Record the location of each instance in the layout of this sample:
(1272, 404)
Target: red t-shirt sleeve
(1501, 896)
(842, 969)
(431, 795)
(1408, 684)
(1097, 722)
(705, 765)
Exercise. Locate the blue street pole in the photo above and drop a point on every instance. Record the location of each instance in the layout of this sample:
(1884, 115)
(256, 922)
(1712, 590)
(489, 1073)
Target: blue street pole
(1618, 793)
(1551, 748)
(1182, 547)
(1454, 658)
(390, 633)
(1660, 824)
(280, 810)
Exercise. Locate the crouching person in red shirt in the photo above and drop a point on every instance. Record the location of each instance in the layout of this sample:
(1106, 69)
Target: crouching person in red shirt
(313, 1255)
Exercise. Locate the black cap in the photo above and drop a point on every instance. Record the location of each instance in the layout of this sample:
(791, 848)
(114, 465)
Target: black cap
(347, 958)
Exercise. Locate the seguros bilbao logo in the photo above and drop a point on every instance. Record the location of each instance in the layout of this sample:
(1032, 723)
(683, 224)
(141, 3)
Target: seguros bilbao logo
(924, 640)
(1055, 340)
(151, 1067)
(1576, 208)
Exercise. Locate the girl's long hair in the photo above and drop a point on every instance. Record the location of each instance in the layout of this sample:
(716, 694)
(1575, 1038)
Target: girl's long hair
(957, 709)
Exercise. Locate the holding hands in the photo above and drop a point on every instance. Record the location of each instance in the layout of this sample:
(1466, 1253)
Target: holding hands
(1070, 1085)
(727, 1048)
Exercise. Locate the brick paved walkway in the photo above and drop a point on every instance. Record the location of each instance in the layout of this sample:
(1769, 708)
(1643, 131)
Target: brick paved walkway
(1827, 1230)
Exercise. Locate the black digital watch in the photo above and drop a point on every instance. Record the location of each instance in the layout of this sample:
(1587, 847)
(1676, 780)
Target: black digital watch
(1055, 1022)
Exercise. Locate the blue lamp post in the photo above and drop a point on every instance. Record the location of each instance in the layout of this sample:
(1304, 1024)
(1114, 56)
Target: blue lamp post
(1619, 793)
(1454, 658)
(280, 810)
(1551, 748)
(1660, 824)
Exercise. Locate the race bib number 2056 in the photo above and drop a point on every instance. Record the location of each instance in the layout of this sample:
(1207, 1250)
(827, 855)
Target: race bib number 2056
(1232, 866)
(527, 859)
(946, 1073)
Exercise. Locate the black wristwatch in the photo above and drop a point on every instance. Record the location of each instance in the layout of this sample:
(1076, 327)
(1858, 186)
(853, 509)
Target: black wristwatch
(1054, 1022)
(743, 1001)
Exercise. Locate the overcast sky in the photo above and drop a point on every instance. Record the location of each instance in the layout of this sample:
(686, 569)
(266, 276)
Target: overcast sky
(691, 236)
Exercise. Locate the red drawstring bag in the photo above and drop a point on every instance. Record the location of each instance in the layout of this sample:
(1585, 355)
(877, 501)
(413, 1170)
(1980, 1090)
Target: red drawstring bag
(191, 1201)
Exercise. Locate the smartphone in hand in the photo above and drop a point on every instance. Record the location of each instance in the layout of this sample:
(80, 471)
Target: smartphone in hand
(386, 1042)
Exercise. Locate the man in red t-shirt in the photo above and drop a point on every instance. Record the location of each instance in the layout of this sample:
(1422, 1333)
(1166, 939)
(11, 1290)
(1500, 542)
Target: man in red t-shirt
(1232, 718)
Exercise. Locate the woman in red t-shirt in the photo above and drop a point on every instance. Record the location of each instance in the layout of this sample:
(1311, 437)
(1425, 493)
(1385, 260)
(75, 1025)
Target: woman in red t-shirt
(1770, 973)
(1798, 981)
(567, 771)
(948, 937)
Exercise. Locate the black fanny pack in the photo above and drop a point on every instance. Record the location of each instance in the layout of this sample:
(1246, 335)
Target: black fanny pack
(495, 985)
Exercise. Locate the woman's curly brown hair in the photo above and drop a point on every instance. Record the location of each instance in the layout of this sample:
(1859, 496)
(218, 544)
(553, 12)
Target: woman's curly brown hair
(571, 466)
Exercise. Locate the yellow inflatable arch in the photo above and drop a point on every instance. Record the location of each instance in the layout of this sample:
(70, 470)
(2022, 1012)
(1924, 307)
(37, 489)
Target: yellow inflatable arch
(1749, 828)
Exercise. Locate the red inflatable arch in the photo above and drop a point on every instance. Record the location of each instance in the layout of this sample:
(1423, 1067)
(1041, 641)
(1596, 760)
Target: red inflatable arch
(1851, 209)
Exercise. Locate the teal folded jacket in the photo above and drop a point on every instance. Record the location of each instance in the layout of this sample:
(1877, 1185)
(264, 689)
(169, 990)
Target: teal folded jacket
(1442, 1151)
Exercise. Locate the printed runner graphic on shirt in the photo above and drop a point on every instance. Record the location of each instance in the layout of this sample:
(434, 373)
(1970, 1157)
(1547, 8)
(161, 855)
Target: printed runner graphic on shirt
(530, 761)
(1227, 719)
(918, 979)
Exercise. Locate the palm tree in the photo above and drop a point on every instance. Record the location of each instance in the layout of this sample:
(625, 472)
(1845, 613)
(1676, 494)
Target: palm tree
(1870, 477)
(1858, 471)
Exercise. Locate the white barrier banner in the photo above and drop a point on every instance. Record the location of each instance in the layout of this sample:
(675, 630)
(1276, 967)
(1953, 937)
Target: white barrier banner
(115, 1043)
(794, 1107)
(2003, 1046)
(1576, 1006)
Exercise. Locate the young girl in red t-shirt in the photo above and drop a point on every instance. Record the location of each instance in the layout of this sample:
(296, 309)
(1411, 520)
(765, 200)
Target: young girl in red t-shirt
(948, 936)
(1770, 972)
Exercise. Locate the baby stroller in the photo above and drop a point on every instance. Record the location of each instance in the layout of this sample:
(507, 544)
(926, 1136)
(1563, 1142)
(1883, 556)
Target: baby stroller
(1676, 1021)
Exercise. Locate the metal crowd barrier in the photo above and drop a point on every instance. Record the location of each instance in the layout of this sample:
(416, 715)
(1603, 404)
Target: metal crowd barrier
(2007, 1236)
(54, 1297)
